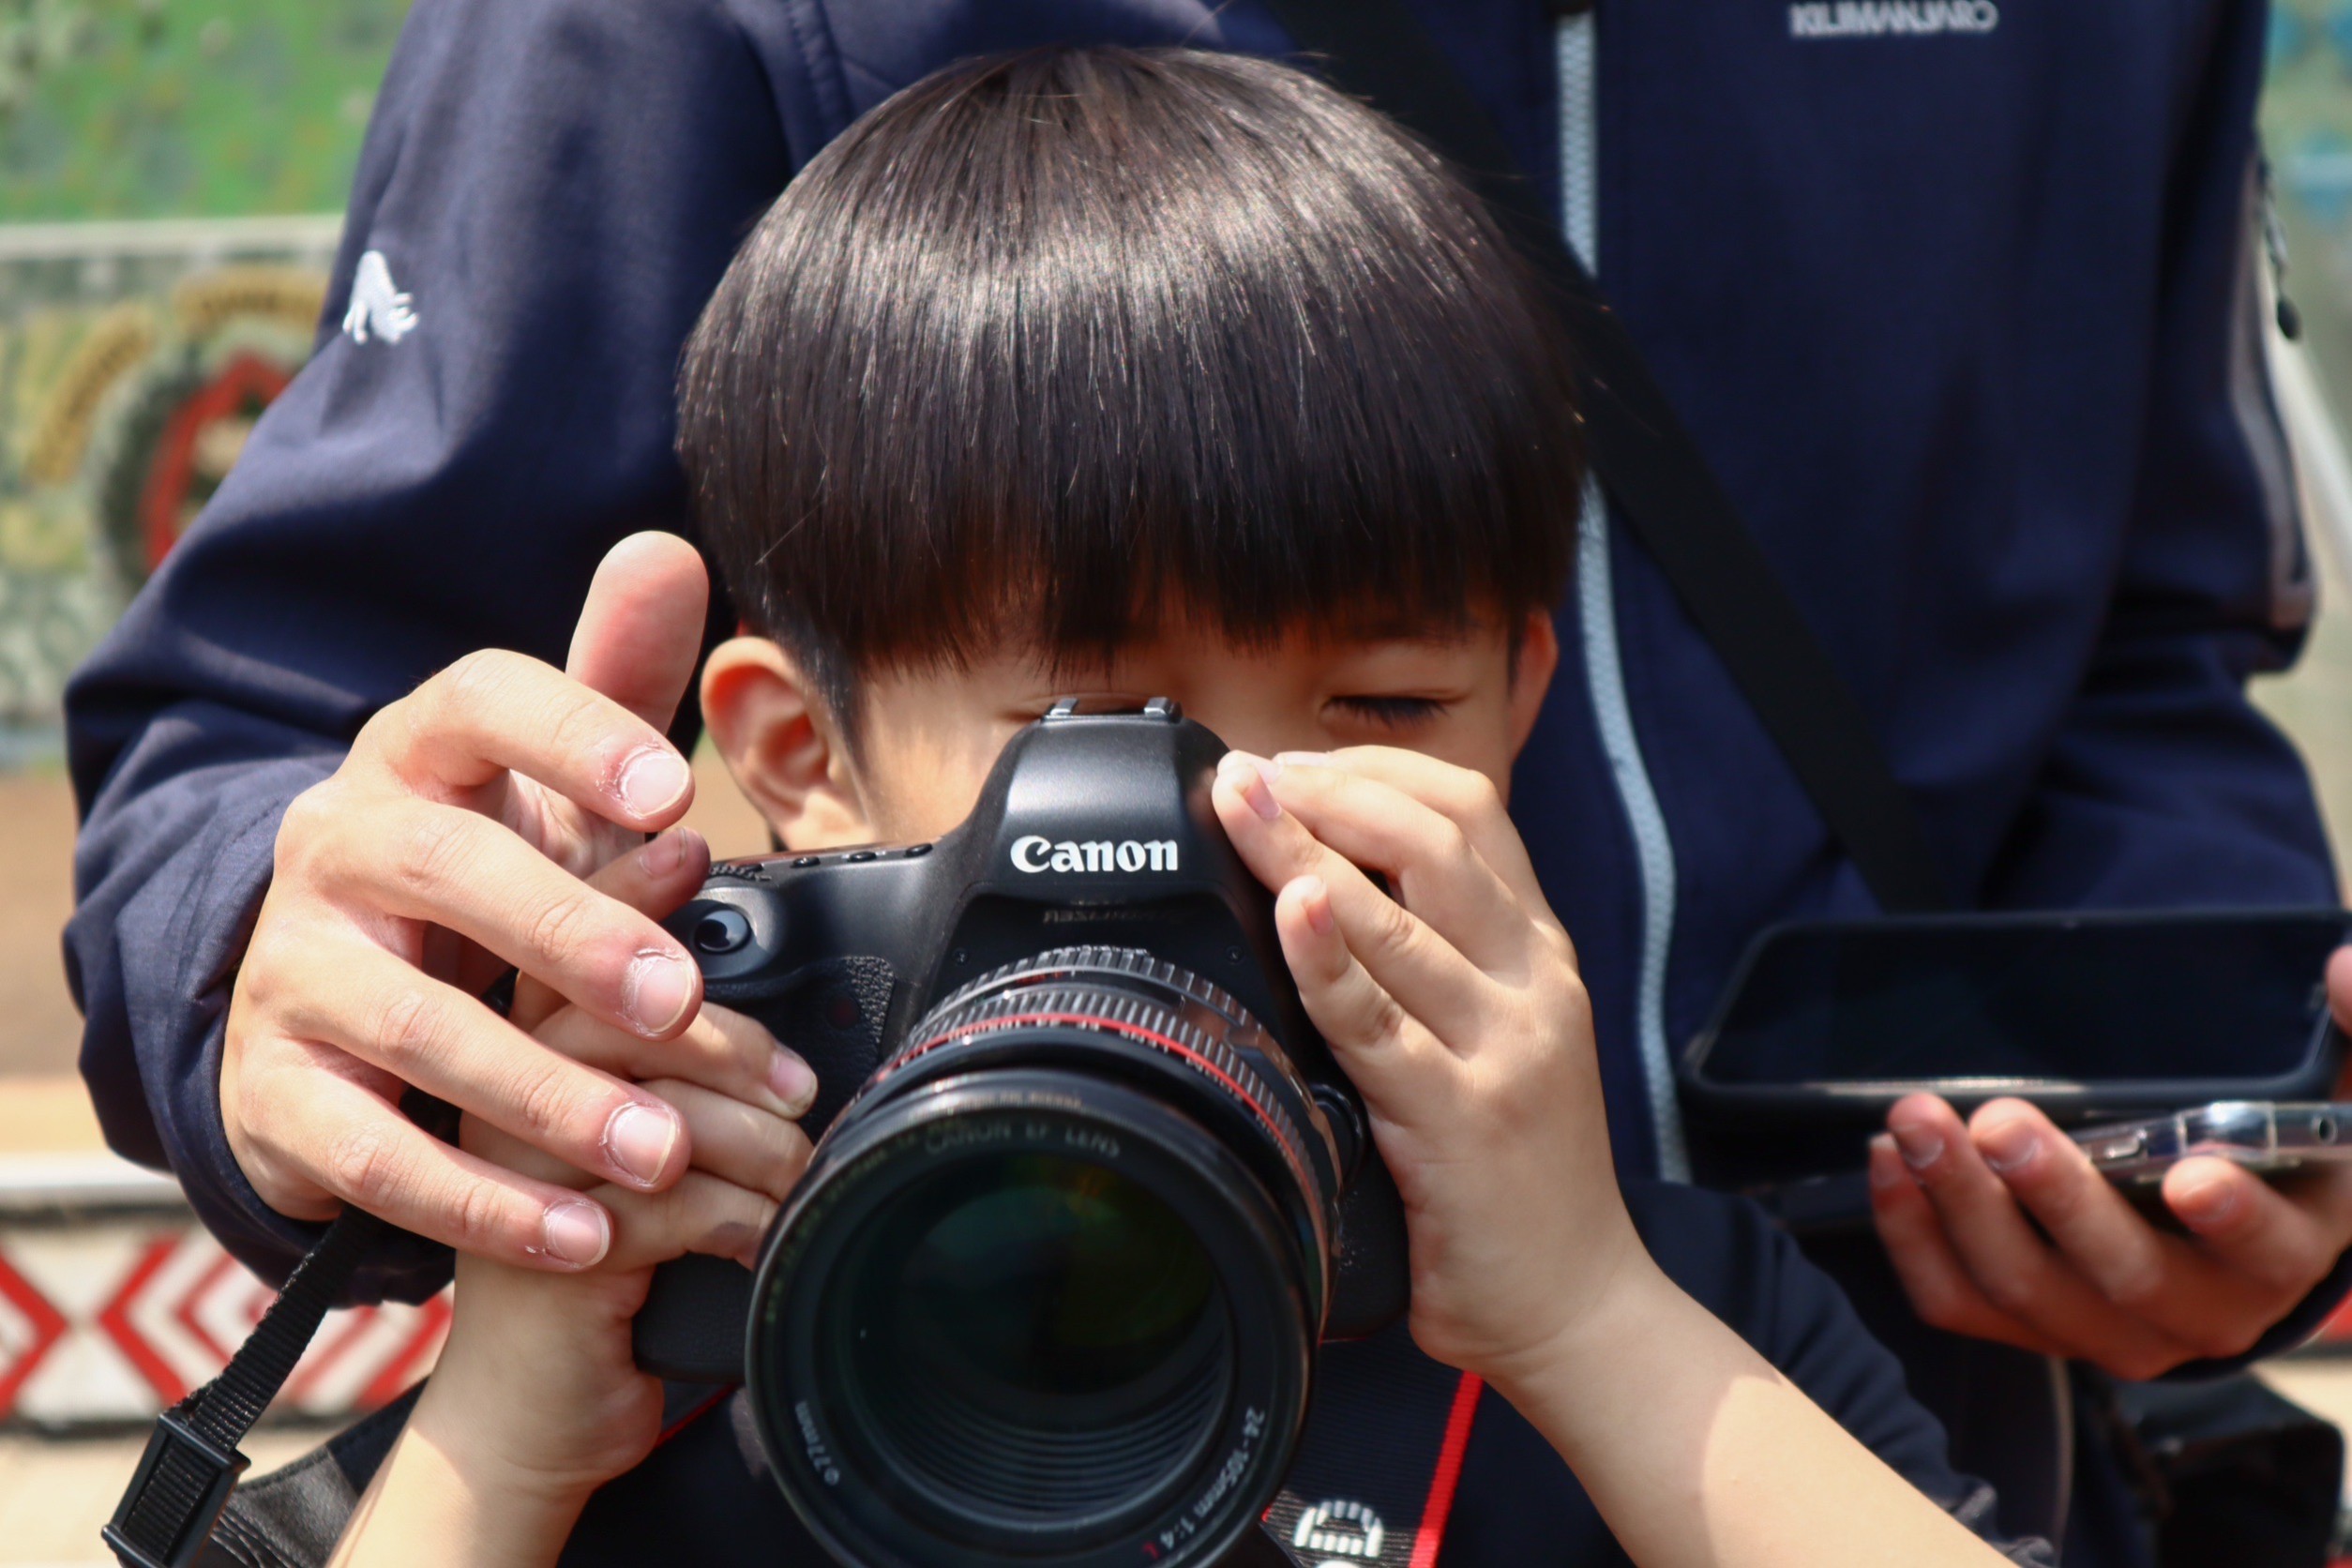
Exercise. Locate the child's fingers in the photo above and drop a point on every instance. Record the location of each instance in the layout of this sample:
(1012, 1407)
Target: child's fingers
(1437, 872)
(639, 633)
(721, 1050)
(738, 1142)
(1408, 959)
(1384, 1051)
(703, 1213)
(1467, 797)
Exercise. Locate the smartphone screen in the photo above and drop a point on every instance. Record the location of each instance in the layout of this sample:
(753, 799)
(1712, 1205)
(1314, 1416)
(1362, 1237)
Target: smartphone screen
(2080, 998)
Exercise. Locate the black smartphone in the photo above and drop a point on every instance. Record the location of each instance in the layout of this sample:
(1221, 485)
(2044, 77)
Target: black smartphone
(2093, 1016)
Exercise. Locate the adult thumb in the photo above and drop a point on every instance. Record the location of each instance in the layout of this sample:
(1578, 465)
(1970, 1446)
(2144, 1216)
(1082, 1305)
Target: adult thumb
(640, 631)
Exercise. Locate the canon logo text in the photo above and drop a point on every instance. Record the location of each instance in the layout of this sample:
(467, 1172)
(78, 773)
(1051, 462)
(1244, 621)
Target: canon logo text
(1035, 852)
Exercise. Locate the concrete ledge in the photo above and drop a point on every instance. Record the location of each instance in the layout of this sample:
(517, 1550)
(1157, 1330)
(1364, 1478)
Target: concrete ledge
(61, 1186)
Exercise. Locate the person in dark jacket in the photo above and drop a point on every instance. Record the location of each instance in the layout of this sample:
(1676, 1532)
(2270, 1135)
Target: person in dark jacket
(929, 420)
(1963, 312)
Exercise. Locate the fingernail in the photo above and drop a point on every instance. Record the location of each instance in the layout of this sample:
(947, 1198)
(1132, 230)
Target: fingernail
(2009, 1146)
(1918, 1146)
(2205, 1199)
(577, 1232)
(654, 780)
(793, 1080)
(670, 850)
(1252, 779)
(637, 1141)
(1302, 759)
(659, 990)
(1315, 901)
(1885, 1169)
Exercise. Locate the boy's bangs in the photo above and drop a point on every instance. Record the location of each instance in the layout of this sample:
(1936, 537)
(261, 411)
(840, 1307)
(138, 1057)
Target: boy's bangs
(1047, 348)
(1114, 556)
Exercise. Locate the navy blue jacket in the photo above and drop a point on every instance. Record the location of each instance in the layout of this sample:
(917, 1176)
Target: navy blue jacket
(1964, 319)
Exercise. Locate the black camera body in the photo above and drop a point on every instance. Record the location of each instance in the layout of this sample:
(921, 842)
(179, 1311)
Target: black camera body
(1089, 1188)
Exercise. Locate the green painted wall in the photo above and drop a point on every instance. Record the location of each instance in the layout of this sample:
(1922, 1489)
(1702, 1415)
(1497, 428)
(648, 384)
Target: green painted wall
(184, 108)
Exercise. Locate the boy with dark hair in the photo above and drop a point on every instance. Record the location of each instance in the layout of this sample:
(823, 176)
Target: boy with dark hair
(1180, 373)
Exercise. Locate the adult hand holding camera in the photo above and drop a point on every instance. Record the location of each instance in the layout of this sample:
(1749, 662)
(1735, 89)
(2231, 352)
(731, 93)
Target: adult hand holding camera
(2000, 1228)
(1456, 1009)
(454, 840)
(537, 1400)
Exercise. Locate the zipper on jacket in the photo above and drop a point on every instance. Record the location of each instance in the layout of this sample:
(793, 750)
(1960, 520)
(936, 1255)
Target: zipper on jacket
(1596, 600)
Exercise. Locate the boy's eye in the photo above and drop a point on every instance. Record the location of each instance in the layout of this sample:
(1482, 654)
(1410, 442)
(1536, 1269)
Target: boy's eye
(1391, 712)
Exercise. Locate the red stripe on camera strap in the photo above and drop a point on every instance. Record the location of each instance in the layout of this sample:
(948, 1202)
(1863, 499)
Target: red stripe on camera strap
(1376, 1469)
(1430, 1535)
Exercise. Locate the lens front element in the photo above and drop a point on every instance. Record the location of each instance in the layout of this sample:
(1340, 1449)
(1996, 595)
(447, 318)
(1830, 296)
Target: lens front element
(1034, 1340)
(1045, 1284)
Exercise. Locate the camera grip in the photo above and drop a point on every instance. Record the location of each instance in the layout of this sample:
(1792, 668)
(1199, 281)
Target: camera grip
(691, 1328)
(1371, 1286)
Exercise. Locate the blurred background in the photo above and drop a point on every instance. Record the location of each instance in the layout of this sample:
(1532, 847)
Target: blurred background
(171, 177)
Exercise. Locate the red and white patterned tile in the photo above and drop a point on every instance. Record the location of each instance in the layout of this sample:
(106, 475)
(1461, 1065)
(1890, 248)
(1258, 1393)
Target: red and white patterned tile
(115, 1302)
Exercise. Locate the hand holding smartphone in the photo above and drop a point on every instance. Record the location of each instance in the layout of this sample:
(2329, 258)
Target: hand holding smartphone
(2152, 1037)
(2265, 1137)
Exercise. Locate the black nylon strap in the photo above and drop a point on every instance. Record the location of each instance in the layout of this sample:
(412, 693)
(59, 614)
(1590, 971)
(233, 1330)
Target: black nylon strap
(191, 1463)
(1653, 471)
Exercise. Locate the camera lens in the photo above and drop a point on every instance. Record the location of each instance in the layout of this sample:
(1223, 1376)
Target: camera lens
(1033, 1337)
(1049, 1292)
(1043, 1283)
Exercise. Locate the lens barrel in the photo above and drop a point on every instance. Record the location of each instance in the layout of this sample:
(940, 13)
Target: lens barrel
(1050, 1290)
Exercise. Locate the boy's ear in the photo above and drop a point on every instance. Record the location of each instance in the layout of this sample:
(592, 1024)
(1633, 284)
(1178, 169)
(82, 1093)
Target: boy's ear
(782, 745)
(1538, 662)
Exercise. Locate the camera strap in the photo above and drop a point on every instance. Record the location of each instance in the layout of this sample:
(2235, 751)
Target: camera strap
(191, 1463)
(1657, 478)
(1374, 1478)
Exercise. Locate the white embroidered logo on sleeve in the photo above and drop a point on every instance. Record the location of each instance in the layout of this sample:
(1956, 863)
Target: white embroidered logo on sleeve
(377, 305)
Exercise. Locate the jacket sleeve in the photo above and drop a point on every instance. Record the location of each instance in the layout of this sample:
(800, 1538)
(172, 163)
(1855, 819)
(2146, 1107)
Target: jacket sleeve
(554, 185)
(2163, 784)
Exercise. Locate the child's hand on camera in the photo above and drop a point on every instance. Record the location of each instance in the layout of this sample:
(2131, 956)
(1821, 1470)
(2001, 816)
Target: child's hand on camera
(537, 1400)
(1457, 1008)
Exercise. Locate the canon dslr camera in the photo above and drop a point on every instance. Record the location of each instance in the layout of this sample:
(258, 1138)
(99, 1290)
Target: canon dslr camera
(1050, 1290)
